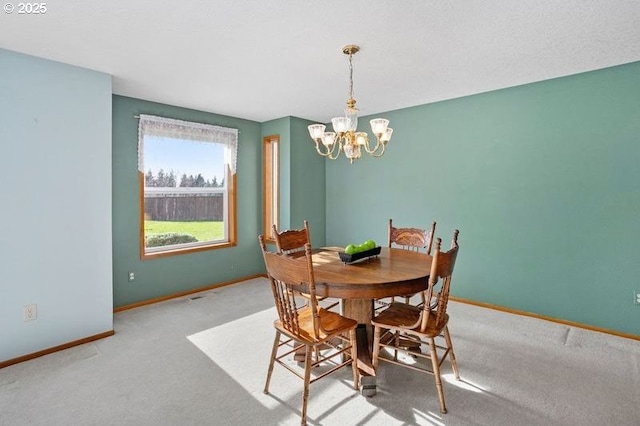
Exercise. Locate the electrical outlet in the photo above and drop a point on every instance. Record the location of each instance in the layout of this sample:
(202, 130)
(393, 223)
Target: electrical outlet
(30, 312)
(132, 276)
(636, 297)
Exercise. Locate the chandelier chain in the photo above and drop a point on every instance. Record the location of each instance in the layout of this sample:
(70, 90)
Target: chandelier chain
(350, 76)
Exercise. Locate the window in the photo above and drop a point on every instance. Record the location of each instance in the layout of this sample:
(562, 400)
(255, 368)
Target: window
(187, 178)
(270, 179)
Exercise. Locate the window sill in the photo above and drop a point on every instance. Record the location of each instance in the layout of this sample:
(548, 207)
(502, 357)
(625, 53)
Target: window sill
(189, 250)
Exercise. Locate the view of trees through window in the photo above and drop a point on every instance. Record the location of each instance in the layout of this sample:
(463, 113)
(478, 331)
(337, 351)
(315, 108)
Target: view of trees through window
(169, 180)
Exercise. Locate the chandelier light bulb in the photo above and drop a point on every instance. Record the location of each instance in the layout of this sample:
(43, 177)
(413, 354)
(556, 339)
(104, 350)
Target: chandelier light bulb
(340, 124)
(361, 138)
(387, 135)
(379, 125)
(328, 139)
(317, 131)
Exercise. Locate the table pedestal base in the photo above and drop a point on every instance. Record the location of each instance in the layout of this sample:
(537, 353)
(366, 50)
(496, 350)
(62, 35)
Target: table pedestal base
(368, 385)
(361, 311)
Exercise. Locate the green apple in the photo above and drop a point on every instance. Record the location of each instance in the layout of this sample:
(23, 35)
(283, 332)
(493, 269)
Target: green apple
(351, 249)
(370, 244)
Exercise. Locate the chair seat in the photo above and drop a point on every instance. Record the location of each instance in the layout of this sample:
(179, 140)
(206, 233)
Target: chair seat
(331, 323)
(402, 316)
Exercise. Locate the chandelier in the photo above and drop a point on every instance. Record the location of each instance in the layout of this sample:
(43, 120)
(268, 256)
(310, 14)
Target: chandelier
(344, 136)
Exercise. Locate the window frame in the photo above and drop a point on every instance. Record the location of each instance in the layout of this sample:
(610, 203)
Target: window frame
(270, 185)
(230, 213)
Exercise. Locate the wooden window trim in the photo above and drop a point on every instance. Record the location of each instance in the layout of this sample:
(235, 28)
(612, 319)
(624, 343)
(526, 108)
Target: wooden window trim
(269, 196)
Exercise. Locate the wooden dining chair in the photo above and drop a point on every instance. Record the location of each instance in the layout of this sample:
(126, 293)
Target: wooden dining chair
(309, 326)
(422, 325)
(414, 239)
(292, 243)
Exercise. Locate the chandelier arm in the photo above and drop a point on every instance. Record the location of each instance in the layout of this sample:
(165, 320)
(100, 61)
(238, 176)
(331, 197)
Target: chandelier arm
(336, 148)
(326, 152)
(381, 153)
(338, 143)
(380, 146)
(375, 148)
(317, 143)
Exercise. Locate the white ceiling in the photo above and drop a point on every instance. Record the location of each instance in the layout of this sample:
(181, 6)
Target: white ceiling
(267, 59)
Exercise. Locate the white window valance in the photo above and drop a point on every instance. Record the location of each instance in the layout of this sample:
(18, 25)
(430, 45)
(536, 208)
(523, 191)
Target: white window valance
(152, 125)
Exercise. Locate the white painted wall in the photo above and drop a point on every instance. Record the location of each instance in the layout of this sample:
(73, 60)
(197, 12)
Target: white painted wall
(55, 203)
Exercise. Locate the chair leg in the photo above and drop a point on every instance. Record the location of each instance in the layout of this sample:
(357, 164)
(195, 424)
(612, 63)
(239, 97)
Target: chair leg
(376, 347)
(354, 358)
(396, 344)
(274, 352)
(307, 380)
(436, 373)
(452, 356)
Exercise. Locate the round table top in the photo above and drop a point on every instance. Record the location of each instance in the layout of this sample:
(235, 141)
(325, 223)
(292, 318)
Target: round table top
(394, 272)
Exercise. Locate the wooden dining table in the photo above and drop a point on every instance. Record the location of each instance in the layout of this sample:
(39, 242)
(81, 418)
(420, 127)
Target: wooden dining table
(394, 272)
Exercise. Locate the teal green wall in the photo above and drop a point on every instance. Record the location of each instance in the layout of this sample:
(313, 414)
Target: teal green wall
(302, 177)
(542, 180)
(169, 275)
(308, 184)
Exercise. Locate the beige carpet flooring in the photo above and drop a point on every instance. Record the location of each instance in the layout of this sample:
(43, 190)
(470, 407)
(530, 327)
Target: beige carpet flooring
(202, 361)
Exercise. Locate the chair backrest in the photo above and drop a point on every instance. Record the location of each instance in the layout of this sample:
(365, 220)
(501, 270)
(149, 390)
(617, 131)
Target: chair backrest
(441, 271)
(289, 276)
(415, 239)
(292, 241)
